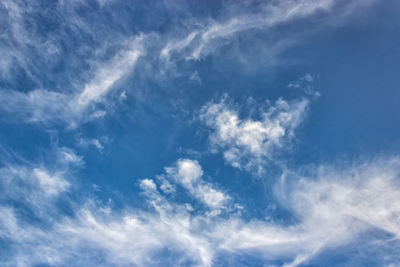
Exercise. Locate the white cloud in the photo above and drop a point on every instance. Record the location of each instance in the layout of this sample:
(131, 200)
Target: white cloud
(330, 209)
(135, 238)
(122, 238)
(34, 186)
(69, 157)
(177, 45)
(87, 74)
(148, 184)
(166, 186)
(206, 39)
(8, 221)
(33, 190)
(369, 193)
(247, 143)
(50, 184)
(77, 92)
(98, 143)
(35, 106)
(188, 173)
(333, 207)
(44, 106)
(106, 76)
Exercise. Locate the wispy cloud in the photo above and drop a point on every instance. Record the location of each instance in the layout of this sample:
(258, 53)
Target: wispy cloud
(72, 108)
(333, 208)
(84, 74)
(80, 44)
(108, 75)
(206, 39)
(184, 218)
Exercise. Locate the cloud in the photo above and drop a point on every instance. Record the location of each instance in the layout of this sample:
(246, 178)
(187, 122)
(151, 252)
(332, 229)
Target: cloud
(35, 106)
(306, 84)
(368, 192)
(332, 207)
(177, 45)
(134, 239)
(30, 193)
(68, 156)
(148, 184)
(248, 143)
(98, 143)
(185, 219)
(206, 39)
(163, 236)
(52, 60)
(34, 186)
(188, 173)
(49, 106)
(62, 83)
(50, 184)
(106, 76)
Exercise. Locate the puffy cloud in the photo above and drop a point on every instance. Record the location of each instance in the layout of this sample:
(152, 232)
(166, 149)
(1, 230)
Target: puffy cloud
(248, 143)
(148, 184)
(188, 173)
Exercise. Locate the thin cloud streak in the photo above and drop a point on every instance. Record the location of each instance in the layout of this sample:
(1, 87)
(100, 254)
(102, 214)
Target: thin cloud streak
(48, 106)
(207, 39)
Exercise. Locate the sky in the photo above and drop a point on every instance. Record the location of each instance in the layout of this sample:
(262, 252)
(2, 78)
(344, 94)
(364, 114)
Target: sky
(199, 133)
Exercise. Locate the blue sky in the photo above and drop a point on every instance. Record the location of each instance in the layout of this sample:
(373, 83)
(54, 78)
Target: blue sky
(199, 133)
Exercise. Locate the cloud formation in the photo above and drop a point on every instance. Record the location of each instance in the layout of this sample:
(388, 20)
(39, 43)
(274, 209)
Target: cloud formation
(49, 106)
(248, 143)
(204, 40)
(188, 173)
(68, 67)
(54, 90)
(333, 208)
(80, 42)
